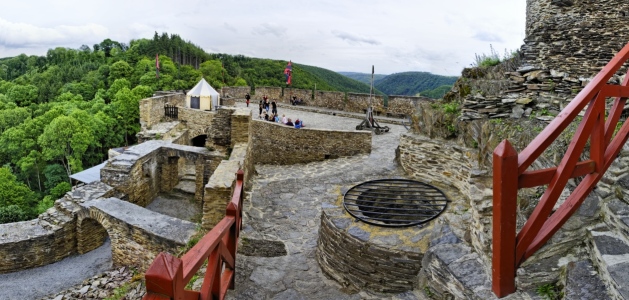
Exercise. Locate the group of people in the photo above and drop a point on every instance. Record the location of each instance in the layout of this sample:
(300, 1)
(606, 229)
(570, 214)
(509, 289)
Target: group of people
(272, 116)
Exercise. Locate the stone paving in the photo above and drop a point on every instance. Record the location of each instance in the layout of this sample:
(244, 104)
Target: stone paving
(284, 205)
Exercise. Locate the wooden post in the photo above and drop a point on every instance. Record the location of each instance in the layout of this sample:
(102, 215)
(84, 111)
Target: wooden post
(165, 277)
(505, 187)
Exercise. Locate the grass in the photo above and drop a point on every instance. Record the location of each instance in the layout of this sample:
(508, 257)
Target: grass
(493, 58)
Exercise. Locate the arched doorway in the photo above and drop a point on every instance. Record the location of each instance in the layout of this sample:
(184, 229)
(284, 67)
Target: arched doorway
(90, 235)
(199, 141)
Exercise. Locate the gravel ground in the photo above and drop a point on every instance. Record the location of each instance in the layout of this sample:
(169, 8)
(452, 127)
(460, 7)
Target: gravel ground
(39, 282)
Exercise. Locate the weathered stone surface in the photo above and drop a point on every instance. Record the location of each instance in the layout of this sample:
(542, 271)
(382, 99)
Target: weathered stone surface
(583, 282)
(280, 144)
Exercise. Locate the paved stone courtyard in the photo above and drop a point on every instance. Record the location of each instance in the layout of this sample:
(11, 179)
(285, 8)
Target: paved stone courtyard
(284, 205)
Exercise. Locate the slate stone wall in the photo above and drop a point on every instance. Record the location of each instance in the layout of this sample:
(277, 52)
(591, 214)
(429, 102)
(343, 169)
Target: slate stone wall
(331, 100)
(305, 95)
(398, 106)
(275, 143)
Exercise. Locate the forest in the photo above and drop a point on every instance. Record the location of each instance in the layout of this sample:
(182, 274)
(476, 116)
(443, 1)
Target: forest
(408, 83)
(61, 112)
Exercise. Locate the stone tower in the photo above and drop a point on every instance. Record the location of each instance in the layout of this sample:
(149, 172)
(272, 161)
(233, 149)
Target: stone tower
(577, 37)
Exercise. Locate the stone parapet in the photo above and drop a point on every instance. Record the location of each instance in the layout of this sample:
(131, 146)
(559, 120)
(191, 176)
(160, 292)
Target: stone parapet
(399, 106)
(197, 121)
(331, 100)
(218, 193)
(137, 234)
(235, 91)
(152, 109)
(270, 91)
(275, 143)
(302, 94)
(240, 126)
(360, 102)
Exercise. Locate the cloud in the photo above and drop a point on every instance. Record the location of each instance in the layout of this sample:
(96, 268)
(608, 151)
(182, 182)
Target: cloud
(488, 37)
(270, 28)
(353, 39)
(23, 35)
(230, 27)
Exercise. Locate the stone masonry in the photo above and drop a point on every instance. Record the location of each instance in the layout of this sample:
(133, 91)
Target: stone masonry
(280, 144)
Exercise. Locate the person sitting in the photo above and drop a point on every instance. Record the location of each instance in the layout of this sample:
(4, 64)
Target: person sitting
(293, 100)
(284, 120)
(277, 119)
(271, 117)
(263, 115)
(297, 124)
(290, 122)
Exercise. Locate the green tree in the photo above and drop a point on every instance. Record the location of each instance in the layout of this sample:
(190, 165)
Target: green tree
(64, 140)
(23, 95)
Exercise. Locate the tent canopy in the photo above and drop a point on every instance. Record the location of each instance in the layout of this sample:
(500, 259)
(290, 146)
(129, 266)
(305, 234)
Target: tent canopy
(202, 96)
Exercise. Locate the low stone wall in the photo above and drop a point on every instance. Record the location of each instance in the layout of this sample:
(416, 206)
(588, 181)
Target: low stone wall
(137, 234)
(437, 161)
(404, 105)
(152, 109)
(276, 143)
(360, 102)
(235, 91)
(362, 256)
(269, 91)
(331, 100)
(305, 95)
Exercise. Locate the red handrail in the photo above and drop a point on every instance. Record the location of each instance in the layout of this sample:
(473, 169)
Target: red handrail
(510, 172)
(168, 275)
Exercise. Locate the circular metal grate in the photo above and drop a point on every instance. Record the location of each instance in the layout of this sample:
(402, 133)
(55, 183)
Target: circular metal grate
(394, 202)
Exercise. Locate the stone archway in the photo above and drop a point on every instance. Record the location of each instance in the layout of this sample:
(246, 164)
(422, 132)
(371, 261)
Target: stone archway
(199, 141)
(90, 233)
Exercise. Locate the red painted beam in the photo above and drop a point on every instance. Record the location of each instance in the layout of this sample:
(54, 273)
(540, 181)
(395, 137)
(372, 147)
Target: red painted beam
(505, 194)
(535, 178)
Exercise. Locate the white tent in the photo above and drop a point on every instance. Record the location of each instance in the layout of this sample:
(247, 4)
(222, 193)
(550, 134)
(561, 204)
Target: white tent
(202, 96)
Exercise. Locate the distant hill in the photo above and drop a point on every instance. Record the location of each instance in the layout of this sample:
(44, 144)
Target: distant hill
(411, 83)
(334, 80)
(408, 83)
(363, 77)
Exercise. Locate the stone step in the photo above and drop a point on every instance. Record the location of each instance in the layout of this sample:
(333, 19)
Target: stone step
(610, 254)
(186, 186)
(582, 281)
(616, 214)
(188, 177)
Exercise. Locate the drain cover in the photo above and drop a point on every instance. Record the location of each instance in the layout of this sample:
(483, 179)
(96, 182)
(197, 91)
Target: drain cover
(394, 202)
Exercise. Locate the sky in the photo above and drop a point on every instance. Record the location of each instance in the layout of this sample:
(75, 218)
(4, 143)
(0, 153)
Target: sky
(440, 37)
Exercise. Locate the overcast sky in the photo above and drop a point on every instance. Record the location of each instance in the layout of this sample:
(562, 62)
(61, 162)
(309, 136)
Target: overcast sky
(440, 37)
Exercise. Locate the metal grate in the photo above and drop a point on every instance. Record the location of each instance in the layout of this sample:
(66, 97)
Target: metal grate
(394, 202)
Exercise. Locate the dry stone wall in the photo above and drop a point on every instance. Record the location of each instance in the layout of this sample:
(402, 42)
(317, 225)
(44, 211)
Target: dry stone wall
(152, 109)
(404, 105)
(269, 91)
(196, 121)
(360, 102)
(218, 131)
(305, 95)
(240, 126)
(235, 91)
(331, 100)
(275, 143)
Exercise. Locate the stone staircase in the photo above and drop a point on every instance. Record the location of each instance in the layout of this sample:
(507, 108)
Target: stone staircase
(187, 183)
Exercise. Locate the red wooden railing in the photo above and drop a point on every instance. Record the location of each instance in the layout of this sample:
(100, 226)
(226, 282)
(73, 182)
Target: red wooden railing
(168, 275)
(510, 172)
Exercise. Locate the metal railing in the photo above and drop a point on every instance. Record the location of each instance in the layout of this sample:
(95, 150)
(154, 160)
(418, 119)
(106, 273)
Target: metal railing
(510, 172)
(171, 111)
(168, 275)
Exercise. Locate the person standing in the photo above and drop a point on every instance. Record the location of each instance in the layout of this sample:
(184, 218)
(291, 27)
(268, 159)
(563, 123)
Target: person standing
(248, 98)
(266, 104)
(274, 107)
(260, 113)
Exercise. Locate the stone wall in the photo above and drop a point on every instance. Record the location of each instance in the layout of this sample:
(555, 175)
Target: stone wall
(219, 132)
(271, 92)
(305, 95)
(360, 102)
(275, 143)
(152, 109)
(404, 105)
(235, 91)
(433, 160)
(331, 100)
(240, 126)
(197, 121)
(49, 238)
(138, 172)
(137, 234)
(360, 256)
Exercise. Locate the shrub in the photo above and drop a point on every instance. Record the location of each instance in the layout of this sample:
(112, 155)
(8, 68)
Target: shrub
(12, 213)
